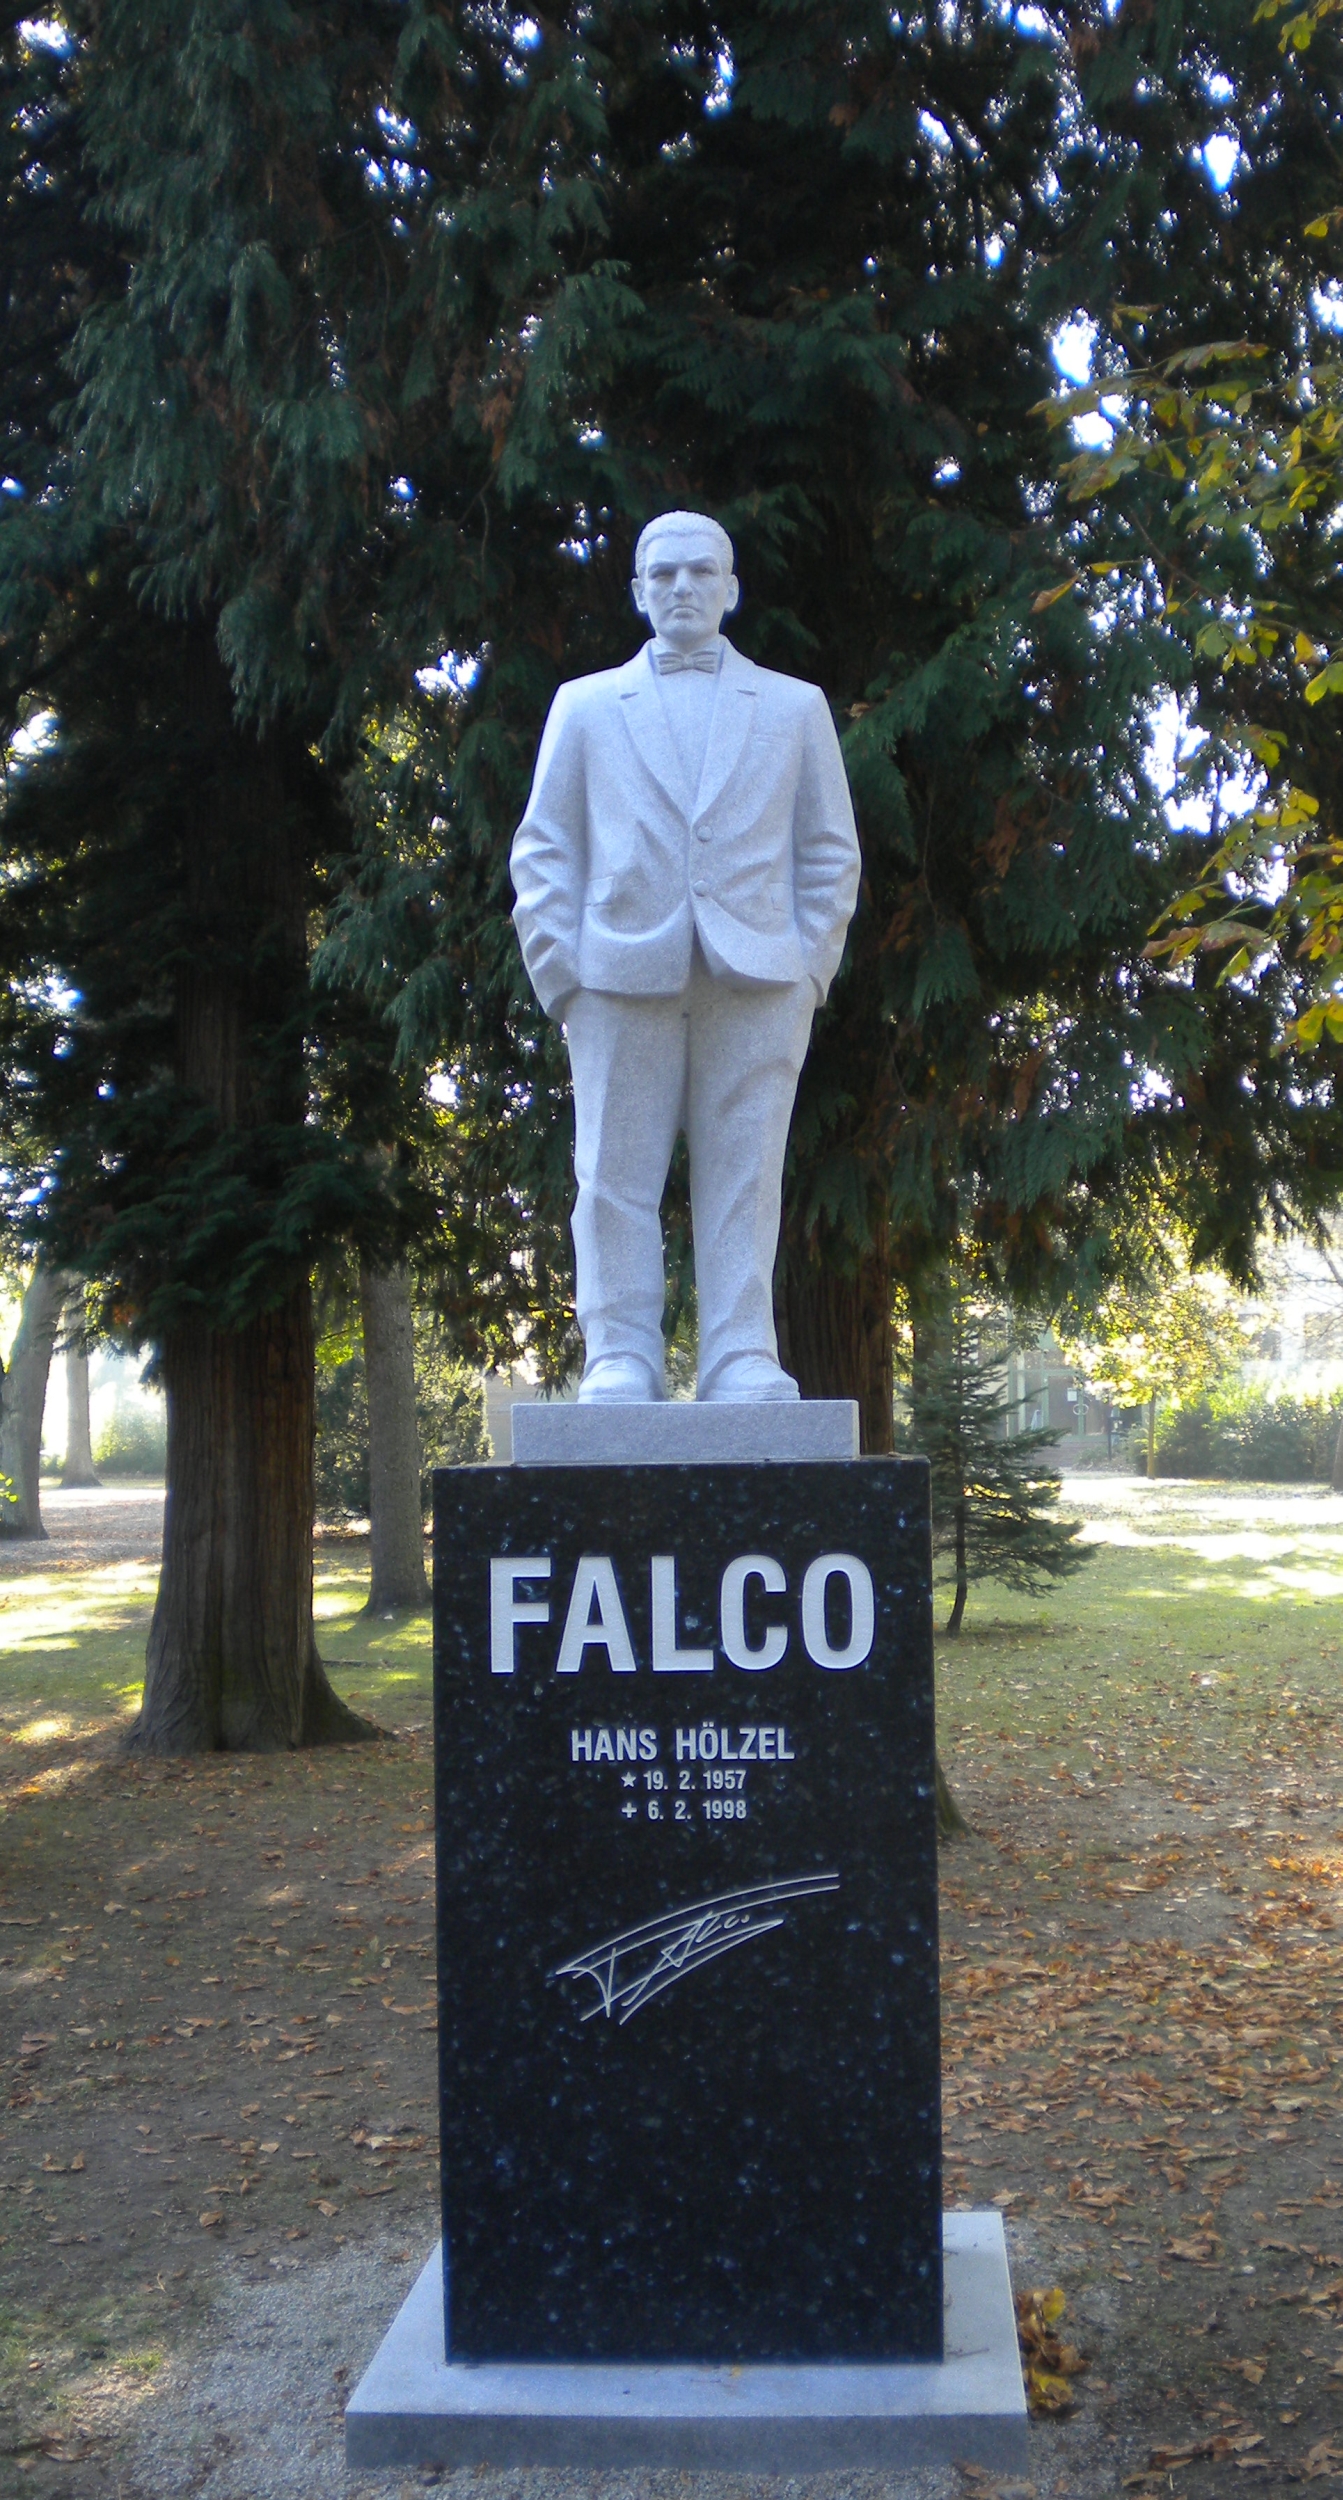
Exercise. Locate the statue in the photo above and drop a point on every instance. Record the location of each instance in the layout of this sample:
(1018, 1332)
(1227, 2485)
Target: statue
(685, 872)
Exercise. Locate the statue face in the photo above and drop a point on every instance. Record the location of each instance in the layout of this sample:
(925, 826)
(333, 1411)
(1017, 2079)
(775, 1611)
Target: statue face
(685, 589)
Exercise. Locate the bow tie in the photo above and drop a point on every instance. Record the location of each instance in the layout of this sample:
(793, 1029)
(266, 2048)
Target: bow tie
(670, 663)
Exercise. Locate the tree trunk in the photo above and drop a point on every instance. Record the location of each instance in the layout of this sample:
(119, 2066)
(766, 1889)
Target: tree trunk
(232, 1662)
(1336, 1471)
(23, 1395)
(1151, 1436)
(835, 1338)
(950, 1820)
(232, 1659)
(77, 1468)
(397, 1580)
(835, 1333)
(962, 1578)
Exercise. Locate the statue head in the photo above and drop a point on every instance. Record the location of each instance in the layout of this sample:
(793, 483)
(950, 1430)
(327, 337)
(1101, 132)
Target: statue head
(683, 578)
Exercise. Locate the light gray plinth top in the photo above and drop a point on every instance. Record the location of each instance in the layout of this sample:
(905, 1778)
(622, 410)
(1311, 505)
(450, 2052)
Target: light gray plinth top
(414, 2407)
(674, 1432)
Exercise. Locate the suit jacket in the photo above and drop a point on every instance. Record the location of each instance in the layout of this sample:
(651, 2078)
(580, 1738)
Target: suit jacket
(616, 867)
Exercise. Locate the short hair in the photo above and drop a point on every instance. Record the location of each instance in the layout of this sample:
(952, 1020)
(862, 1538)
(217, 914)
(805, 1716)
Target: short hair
(684, 521)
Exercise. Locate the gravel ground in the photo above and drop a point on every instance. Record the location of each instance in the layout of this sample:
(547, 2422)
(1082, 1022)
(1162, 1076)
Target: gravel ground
(235, 2388)
(256, 2411)
(108, 1523)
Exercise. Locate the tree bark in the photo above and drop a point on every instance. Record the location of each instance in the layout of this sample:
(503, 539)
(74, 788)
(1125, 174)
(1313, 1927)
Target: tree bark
(950, 1820)
(232, 1659)
(396, 1523)
(835, 1338)
(232, 1662)
(956, 1615)
(835, 1332)
(23, 1395)
(77, 1468)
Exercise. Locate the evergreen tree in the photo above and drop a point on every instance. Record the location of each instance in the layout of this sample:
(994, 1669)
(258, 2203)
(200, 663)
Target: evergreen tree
(165, 1054)
(390, 321)
(820, 258)
(994, 1504)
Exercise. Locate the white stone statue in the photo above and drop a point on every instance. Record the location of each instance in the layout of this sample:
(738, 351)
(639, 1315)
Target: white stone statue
(685, 872)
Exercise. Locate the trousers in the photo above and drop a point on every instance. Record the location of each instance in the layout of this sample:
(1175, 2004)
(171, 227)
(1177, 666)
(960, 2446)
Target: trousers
(722, 1063)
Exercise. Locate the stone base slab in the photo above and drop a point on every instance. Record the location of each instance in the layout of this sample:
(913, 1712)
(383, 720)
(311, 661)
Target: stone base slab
(414, 2408)
(679, 1431)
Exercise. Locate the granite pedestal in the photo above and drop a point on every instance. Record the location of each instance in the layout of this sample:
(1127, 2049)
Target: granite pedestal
(688, 2017)
(414, 2408)
(678, 1432)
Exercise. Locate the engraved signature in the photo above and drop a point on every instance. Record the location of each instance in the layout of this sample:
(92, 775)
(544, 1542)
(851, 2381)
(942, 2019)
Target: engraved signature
(628, 1970)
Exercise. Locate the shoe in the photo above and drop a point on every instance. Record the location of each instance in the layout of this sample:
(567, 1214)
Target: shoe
(750, 1380)
(619, 1380)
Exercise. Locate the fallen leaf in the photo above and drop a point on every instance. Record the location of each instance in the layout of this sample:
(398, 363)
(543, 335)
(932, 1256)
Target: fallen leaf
(1048, 2363)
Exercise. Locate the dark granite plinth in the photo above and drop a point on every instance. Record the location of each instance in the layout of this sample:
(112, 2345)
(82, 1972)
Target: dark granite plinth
(687, 1913)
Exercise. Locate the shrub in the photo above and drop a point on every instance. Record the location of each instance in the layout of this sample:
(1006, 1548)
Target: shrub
(133, 1441)
(1248, 1436)
(449, 1407)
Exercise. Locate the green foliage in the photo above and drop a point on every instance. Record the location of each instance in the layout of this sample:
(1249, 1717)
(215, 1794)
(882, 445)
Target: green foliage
(1250, 431)
(1165, 1336)
(994, 1503)
(379, 330)
(1243, 1433)
(132, 1442)
(449, 1409)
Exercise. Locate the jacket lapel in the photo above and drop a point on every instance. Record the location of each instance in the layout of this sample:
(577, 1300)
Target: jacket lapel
(646, 721)
(733, 715)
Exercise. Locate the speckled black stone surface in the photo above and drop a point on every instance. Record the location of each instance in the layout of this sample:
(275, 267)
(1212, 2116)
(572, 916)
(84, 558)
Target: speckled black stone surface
(717, 2141)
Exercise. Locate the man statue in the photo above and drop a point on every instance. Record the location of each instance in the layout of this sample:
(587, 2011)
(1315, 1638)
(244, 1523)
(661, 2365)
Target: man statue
(685, 872)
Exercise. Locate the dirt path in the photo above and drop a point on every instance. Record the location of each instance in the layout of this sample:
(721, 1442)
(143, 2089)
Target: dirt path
(216, 2008)
(107, 1524)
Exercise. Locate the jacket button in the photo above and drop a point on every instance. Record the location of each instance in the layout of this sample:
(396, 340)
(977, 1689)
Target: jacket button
(700, 886)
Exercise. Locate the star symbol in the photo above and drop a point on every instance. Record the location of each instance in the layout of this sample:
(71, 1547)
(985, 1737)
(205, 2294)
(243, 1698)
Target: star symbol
(627, 1779)
(629, 1808)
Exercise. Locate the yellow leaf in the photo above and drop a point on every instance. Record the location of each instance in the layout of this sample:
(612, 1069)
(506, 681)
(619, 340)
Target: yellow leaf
(1048, 2392)
(1049, 598)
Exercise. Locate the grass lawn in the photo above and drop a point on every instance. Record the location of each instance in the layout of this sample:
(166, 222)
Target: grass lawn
(217, 1981)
